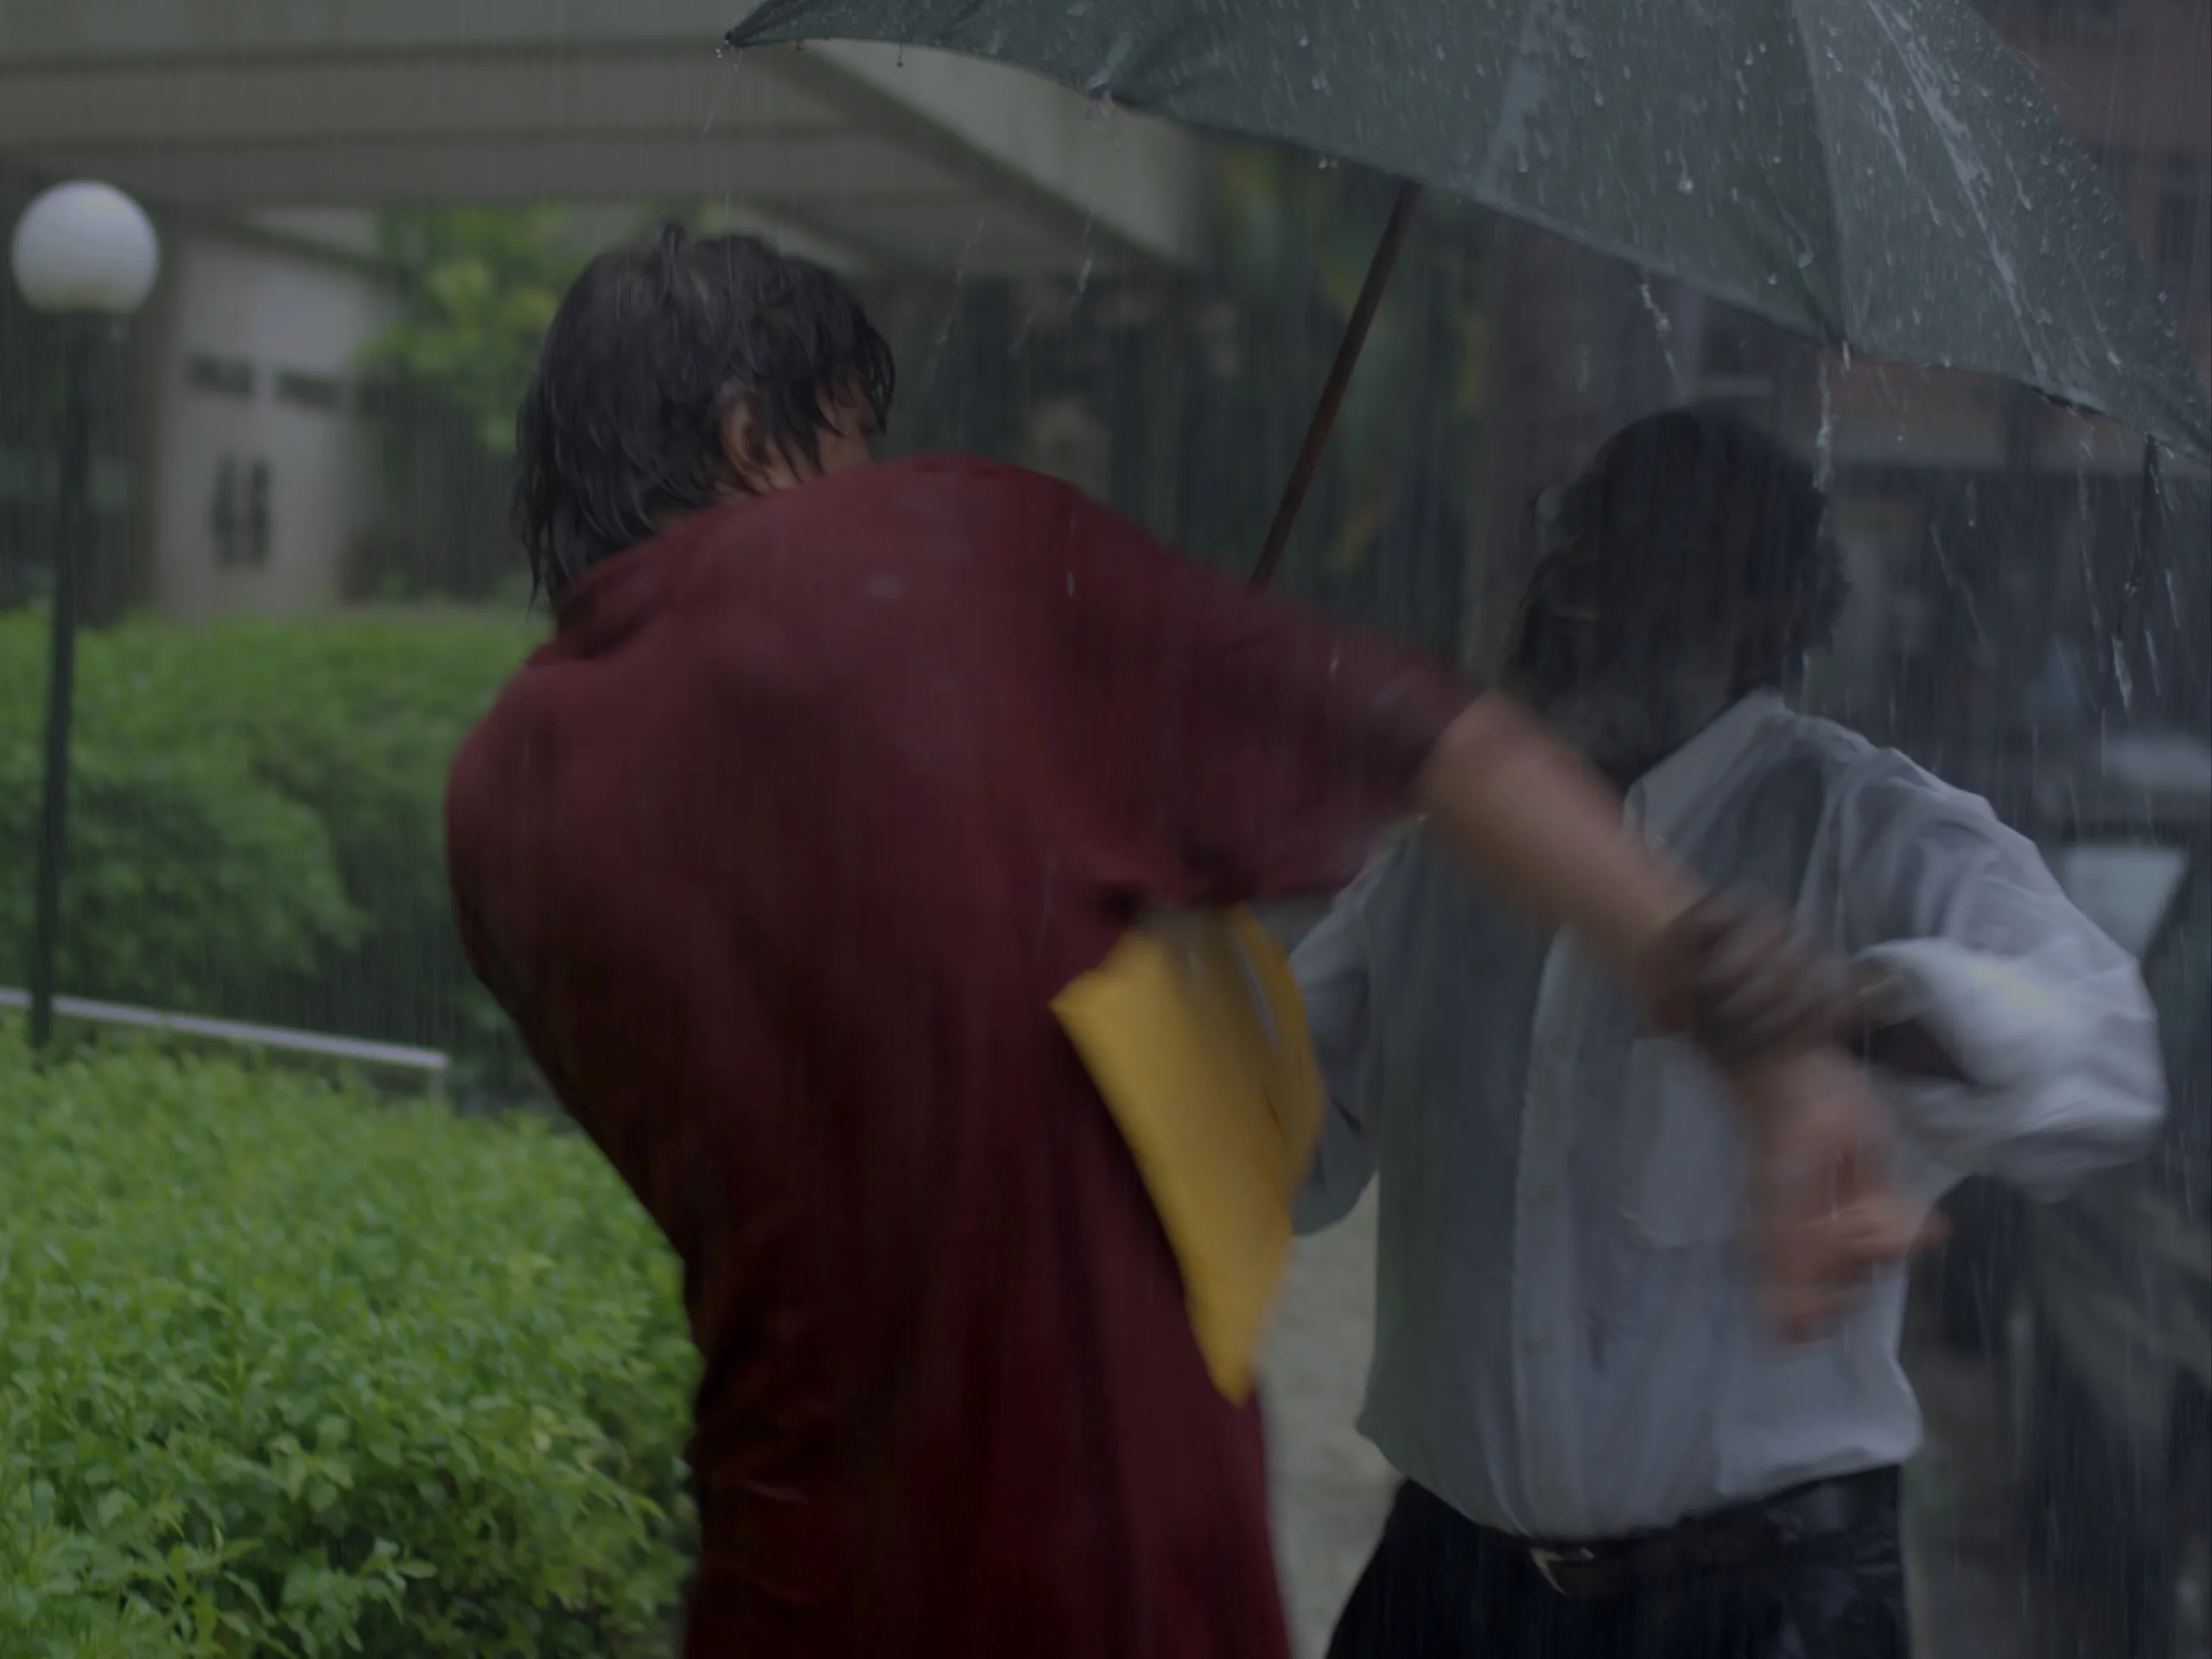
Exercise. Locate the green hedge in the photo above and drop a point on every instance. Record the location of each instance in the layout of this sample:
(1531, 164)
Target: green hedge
(254, 817)
(285, 1372)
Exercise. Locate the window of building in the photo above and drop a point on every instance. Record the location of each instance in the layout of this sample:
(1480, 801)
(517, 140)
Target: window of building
(225, 377)
(323, 391)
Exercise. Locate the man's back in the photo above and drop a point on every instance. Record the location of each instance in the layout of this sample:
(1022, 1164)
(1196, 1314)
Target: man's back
(777, 855)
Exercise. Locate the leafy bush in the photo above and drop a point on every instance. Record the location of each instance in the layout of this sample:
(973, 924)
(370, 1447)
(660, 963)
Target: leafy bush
(254, 816)
(478, 287)
(184, 871)
(285, 1372)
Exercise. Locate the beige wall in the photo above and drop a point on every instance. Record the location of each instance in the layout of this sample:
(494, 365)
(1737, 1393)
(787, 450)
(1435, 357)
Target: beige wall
(279, 331)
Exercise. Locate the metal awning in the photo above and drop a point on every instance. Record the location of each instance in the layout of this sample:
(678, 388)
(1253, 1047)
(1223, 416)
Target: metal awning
(875, 159)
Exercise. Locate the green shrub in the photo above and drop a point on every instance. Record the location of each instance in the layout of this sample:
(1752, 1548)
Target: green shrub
(282, 1371)
(186, 876)
(255, 816)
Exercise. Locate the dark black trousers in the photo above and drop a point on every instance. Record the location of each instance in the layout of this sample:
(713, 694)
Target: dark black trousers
(1441, 1587)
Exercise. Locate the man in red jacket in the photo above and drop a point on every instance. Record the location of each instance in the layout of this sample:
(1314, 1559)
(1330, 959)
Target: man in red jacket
(832, 776)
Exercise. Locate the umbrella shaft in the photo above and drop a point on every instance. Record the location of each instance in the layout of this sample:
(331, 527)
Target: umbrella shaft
(1332, 391)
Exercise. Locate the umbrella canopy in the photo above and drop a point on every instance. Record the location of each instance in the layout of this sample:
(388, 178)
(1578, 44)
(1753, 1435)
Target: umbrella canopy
(1878, 174)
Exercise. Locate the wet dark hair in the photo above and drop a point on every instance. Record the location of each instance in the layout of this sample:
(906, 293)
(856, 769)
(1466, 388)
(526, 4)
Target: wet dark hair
(1705, 483)
(651, 346)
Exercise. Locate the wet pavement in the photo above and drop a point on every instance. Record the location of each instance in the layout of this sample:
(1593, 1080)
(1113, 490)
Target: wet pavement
(1331, 1488)
(1974, 1597)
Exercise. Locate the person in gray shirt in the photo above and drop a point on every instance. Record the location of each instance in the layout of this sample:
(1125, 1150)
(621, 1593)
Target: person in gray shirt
(1608, 1452)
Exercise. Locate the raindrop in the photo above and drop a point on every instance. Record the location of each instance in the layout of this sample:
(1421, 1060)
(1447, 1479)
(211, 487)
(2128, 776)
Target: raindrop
(1320, 81)
(1824, 441)
(1662, 327)
(1304, 41)
(1686, 184)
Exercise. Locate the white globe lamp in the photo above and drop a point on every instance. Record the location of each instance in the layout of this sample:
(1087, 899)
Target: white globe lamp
(87, 254)
(85, 249)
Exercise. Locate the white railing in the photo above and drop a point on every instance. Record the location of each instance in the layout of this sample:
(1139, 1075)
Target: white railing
(434, 1064)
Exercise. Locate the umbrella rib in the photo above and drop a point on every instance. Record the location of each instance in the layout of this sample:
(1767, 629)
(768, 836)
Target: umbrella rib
(1844, 327)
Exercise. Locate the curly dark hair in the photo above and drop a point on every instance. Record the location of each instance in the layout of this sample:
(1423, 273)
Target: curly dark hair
(1705, 484)
(651, 346)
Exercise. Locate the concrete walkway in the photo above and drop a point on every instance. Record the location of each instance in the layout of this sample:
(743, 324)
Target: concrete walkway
(1331, 1487)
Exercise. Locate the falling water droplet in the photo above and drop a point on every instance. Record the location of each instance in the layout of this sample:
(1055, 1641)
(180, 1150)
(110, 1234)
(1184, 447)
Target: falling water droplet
(1824, 441)
(1686, 184)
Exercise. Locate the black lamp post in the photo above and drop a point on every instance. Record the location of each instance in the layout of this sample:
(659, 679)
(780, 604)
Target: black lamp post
(87, 253)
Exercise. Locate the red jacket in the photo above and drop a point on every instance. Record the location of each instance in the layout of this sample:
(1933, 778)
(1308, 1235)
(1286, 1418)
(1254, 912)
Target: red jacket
(776, 855)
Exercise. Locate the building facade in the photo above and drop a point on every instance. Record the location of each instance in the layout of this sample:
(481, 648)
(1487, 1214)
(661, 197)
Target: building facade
(242, 467)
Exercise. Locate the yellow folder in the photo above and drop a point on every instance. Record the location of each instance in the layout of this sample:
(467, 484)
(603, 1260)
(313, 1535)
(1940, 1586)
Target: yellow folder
(1194, 1031)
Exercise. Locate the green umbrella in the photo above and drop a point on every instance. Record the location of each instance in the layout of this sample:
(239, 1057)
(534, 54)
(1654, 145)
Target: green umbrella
(1881, 175)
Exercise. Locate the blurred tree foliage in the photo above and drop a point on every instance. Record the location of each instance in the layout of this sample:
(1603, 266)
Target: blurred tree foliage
(1385, 533)
(478, 287)
(1191, 389)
